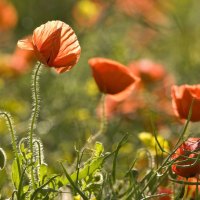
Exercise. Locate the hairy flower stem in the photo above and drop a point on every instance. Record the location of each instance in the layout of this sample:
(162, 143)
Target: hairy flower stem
(35, 93)
(9, 121)
(39, 151)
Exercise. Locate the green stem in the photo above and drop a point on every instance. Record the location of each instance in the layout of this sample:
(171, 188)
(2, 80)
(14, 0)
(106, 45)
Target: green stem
(13, 137)
(103, 124)
(35, 93)
(39, 151)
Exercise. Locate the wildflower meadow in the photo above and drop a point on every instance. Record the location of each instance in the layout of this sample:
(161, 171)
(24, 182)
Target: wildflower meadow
(99, 100)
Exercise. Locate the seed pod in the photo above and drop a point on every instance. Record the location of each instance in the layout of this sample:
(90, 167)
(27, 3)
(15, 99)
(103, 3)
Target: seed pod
(2, 159)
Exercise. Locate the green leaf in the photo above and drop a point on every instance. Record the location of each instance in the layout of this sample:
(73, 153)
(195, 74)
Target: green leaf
(99, 149)
(40, 189)
(43, 172)
(22, 148)
(15, 174)
(73, 184)
(88, 169)
(25, 188)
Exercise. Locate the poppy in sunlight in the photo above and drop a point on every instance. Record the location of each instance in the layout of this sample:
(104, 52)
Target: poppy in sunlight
(8, 15)
(55, 45)
(184, 97)
(186, 159)
(112, 77)
(148, 70)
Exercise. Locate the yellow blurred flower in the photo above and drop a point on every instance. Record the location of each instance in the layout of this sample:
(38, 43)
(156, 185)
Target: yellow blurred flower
(87, 8)
(91, 88)
(82, 114)
(127, 148)
(14, 106)
(77, 197)
(87, 12)
(150, 142)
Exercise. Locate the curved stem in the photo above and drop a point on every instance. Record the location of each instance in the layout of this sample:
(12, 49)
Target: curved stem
(13, 137)
(9, 123)
(103, 124)
(39, 151)
(35, 93)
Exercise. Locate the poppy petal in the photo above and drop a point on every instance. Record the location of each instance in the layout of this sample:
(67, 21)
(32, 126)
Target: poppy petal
(111, 76)
(182, 98)
(25, 44)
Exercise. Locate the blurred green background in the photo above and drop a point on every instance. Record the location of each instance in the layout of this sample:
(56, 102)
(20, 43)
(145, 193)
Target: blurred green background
(166, 32)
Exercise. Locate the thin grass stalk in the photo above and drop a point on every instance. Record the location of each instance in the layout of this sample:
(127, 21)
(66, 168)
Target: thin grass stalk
(176, 147)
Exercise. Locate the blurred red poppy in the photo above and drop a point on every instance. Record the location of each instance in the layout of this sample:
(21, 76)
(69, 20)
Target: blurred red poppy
(164, 190)
(55, 45)
(125, 103)
(192, 189)
(21, 60)
(111, 77)
(8, 15)
(148, 9)
(110, 106)
(182, 98)
(186, 163)
(148, 70)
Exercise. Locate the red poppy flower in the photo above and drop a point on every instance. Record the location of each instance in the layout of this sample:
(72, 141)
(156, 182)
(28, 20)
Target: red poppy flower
(182, 97)
(55, 45)
(185, 164)
(111, 76)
